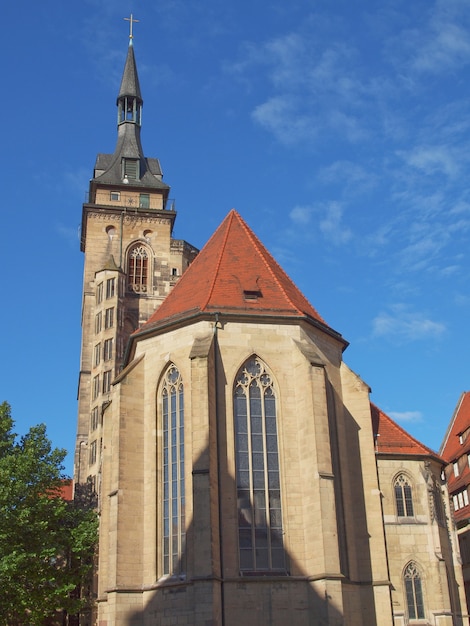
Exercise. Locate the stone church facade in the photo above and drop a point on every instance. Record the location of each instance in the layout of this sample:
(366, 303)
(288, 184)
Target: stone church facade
(242, 474)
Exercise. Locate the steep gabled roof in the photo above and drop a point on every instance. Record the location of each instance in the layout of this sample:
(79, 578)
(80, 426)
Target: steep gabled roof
(390, 438)
(451, 448)
(234, 273)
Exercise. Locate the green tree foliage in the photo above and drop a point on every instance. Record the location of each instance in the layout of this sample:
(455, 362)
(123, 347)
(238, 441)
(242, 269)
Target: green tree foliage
(46, 543)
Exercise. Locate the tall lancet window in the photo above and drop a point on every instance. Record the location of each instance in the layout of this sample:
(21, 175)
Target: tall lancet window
(137, 270)
(174, 523)
(403, 496)
(260, 533)
(414, 592)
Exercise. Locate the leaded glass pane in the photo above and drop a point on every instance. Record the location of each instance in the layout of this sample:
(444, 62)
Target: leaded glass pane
(242, 442)
(273, 480)
(271, 443)
(243, 461)
(246, 559)
(270, 423)
(258, 460)
(277, 557)
(273, 463)
(276, 520)
(258, 479)
(256, 425)
(257, 444)
(262, 559)
(260, 518)
(243, 479)
(245, 538)
(276, 539)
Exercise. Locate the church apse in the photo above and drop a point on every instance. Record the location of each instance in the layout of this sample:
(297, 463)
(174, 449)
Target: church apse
(255, 549)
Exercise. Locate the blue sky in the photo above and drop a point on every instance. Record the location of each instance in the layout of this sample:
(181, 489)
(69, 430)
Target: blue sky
(339, 131)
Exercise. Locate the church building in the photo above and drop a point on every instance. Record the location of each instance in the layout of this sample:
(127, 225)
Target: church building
(242, 475)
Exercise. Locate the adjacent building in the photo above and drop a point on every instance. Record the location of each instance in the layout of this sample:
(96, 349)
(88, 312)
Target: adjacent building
(241, 473)
(456, 451)
(422, 547)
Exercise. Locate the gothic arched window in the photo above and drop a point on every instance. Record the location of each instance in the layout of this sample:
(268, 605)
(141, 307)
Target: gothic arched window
(260, 533)
(173, 522)
(137, 269)
(414, 592)
(403, 496)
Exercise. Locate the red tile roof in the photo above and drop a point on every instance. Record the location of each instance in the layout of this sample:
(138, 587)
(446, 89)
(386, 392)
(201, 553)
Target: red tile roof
(390, 438)
(64, 490)
(451, 448)
(234, 273)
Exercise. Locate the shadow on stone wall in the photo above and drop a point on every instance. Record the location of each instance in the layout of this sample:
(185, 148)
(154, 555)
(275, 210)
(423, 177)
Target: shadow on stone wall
(218, 596)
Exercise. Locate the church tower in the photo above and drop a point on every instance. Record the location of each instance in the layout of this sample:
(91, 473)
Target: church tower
(131, 264)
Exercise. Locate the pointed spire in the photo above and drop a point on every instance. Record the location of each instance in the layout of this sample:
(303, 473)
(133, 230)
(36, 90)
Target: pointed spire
(130, 86)
(129, 100)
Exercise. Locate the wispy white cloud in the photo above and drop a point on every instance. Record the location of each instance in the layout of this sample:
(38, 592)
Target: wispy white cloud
(281, 116)
(308, 83)
(400, 325)
(328, 220)
(406, 416)
(332, 225)
(444, 44)
(354, 177)
(301, 215)
(462, 299)
(432, 160)
(434, 42)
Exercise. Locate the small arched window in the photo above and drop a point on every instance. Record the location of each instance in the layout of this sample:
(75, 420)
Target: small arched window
(173, 487)
(137, 269)
(260, 532)
(414, 592)
(403, 496)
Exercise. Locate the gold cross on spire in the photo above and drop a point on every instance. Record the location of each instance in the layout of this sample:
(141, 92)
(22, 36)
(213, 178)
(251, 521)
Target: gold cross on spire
(131, 21)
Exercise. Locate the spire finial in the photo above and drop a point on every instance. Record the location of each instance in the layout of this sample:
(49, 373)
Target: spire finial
(131, 21)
